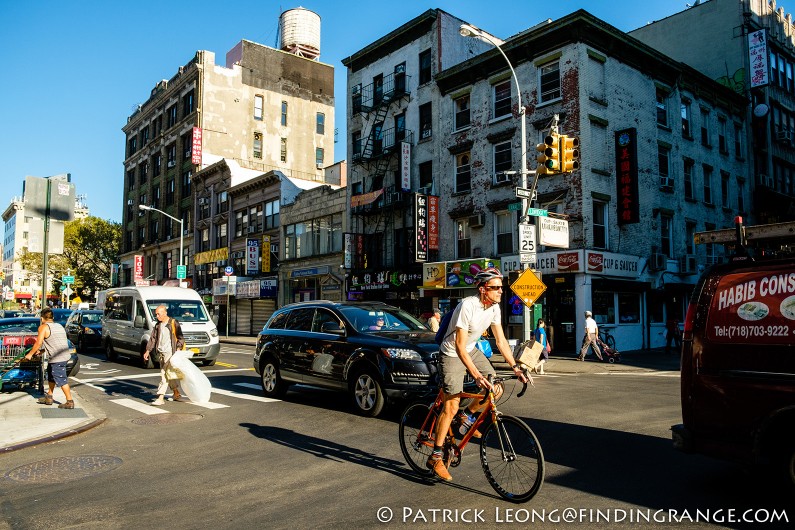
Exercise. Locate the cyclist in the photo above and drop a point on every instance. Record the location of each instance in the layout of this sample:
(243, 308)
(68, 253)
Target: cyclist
(459, 355)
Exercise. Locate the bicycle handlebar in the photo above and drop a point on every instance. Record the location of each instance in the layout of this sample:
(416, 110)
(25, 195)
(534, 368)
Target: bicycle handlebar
(494, 380)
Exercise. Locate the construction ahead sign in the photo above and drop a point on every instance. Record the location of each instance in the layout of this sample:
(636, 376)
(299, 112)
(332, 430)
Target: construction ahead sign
(528, 287)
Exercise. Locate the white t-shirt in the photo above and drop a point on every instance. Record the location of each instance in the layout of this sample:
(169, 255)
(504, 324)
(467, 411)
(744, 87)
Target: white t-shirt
(164, 339)
(590, 325)
(472, 316)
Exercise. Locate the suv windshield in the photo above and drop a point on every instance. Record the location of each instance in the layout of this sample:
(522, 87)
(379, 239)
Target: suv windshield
(373, 319)
(182, 310)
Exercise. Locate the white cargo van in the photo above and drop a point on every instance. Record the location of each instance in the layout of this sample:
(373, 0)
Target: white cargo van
(129, 317)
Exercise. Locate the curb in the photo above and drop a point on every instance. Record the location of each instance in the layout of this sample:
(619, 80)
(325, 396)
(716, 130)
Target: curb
(53, 437)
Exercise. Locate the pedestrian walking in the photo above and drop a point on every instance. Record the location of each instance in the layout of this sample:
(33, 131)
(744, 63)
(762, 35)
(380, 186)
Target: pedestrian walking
(166, 339)
(541, 336)
(591, 338)
(52, 337)
(672, 334)
(435, 318)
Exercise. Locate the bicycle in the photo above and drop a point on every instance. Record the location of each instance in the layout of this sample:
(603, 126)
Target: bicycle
(607, 338)
(510, 453)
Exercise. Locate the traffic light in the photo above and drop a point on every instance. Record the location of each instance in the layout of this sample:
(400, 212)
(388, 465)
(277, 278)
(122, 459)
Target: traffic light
(569, 153)
(549, 154)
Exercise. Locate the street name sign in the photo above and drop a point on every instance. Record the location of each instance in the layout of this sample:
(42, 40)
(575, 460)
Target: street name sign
(528, 287)
(67, 279)
(514, 206)
(524, 193)
(537, 212)
(182, 272)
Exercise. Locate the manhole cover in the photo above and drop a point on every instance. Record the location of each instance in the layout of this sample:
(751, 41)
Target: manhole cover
(166, 419)
(64, 469)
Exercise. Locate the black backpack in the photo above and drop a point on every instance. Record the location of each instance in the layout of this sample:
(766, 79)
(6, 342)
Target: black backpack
(442, 334)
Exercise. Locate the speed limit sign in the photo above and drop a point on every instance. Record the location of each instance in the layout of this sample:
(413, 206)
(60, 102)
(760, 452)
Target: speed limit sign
(527, 243)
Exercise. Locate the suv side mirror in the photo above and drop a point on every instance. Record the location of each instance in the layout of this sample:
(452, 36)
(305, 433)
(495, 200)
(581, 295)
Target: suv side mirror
(332, 327)
(139, 322)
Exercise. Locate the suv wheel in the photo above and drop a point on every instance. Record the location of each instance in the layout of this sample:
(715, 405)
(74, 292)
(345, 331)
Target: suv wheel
(110, 353)
(273, 386)
(368, 396)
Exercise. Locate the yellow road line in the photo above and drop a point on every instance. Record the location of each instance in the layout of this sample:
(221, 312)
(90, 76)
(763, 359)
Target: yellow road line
(226, 365)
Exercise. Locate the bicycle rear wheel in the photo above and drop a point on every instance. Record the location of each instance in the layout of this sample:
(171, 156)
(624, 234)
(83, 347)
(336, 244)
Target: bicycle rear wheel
(512, 459)
(416, 443)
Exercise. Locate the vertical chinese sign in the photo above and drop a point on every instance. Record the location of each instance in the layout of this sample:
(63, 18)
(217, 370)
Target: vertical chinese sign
(348, 251)
(421, 227)
(196, 148)
(757, 52)
(405, 166)
(252, 256)
(138, 268)
(266, 253)
(433, 222)
(628, 209)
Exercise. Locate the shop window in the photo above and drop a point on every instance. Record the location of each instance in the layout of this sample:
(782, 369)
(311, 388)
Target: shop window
(628, 308)
(604, 311)
(655, 302)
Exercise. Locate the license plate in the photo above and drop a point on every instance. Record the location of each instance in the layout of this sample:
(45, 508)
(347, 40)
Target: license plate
(195, 351)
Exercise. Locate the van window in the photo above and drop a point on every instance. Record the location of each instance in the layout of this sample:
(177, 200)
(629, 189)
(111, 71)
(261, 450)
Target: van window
(182, 310)
(119, 307)
(139, 309)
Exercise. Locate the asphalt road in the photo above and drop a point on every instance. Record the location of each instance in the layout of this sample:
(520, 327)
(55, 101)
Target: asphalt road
(310, 462)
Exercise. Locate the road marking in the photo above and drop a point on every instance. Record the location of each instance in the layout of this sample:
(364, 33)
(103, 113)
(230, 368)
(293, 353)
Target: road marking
(646, 374)
(137, 405)
(156, 374)
(226, 365)
(210, 405)
(231, 393)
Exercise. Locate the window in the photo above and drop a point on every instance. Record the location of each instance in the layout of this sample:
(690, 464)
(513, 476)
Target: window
(172, 115)
(426, 128)
(257, 147)
(320, 123)
(462, 112)
(284, 113)
(186, 182)
(157, 162)
(502, 99)
(142, 173)
(705, 127)
(241, 222)
(740, 195)
(707, 184)
(690, 232)
(463, 173)
(666, 232)
(688, 178)
(283, 150)
(221, 236)
(187, 145)
(205, 245)
(599, 224)
(317, 236)
(258, 104)
(425, 67)
(378, 89)
(738, 141)
(272, 214)
(255, 218)
(222, 202)
(132, 145)
(400, 127)
(463, 239)
(356, 143)
(502, 161)
(662, 107)
(426, 174)
(130, 179)
(724, 189)
(171, 155)
(663, 166)
(170, 188)
(723, 146)
(319, 157)
(549, 81)
(187, 104)
(684, 109)
(506, 228)
(628, 308)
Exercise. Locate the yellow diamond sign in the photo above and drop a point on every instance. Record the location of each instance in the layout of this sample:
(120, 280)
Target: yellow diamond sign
(528, 287)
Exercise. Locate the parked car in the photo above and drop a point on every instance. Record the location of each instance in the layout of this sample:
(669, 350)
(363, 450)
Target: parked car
(376, 352)
(61, 315)
(11, 313)
(84, 329)
(31, 325)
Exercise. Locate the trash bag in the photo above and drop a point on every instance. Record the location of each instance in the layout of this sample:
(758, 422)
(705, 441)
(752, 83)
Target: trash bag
(194, 383)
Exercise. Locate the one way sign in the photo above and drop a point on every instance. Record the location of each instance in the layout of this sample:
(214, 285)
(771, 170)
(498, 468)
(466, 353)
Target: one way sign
(524, 193)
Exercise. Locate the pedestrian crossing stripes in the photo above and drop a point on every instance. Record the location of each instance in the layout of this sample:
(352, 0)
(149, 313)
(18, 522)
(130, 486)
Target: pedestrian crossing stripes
(139, 406)
(148, 408)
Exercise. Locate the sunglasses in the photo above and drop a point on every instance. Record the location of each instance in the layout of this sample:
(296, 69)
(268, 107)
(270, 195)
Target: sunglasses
(493, 287)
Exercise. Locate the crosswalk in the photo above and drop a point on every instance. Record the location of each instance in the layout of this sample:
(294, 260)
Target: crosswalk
(146, 408)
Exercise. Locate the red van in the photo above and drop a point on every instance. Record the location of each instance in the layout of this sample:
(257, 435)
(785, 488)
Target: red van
(738, 365)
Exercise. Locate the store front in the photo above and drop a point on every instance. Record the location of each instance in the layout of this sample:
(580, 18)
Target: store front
(309, 283)
(397, 288)
(254, 303)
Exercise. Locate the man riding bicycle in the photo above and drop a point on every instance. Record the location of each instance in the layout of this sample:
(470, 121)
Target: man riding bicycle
(459, 355)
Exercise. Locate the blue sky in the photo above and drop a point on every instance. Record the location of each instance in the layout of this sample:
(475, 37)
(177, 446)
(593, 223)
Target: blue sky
(74, 71)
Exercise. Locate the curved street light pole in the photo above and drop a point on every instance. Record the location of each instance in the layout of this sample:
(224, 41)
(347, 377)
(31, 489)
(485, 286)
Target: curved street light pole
(467, 30)
(181, 229)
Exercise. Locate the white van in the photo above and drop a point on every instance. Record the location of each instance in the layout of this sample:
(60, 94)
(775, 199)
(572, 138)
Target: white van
(129, 318)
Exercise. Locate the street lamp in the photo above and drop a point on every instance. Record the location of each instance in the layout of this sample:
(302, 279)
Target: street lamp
(467, 30)
(181, 229)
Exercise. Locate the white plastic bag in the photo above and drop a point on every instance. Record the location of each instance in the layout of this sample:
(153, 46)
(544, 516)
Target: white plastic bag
(194, 383)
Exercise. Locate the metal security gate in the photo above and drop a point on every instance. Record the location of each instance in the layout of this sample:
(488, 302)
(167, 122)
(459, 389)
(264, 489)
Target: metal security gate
(262, 311)
(243, 316)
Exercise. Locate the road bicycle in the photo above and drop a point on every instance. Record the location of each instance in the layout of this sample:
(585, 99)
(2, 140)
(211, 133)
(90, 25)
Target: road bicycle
(510, 454)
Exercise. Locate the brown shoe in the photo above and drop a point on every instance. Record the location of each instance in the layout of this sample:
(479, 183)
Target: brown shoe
(439, 469)
(46, 400)
(70, 404)
(177, 396)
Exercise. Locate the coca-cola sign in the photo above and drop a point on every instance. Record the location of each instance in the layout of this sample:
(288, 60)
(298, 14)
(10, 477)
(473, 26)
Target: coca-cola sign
(595, 262)
(569, 262)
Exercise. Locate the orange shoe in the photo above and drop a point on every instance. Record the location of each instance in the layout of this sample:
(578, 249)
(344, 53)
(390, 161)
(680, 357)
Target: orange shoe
(439, 469)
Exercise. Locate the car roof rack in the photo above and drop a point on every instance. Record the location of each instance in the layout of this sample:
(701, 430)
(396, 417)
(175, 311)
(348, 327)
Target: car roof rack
(768, 240)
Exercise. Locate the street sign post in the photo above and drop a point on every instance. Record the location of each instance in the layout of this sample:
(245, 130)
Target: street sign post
(537, 212)
(67, 279)
(528, 287)
(527, 243)
(524, 193)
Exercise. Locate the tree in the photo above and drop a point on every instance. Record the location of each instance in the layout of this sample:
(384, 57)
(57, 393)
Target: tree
(91, 246)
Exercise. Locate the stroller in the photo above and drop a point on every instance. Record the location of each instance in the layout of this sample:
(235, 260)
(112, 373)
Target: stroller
(610, 355)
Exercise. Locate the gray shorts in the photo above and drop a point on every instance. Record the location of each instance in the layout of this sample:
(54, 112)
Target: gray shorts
(453, 371)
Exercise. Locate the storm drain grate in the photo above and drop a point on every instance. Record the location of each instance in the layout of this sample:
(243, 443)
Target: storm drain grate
(166, 419)
(64, 469)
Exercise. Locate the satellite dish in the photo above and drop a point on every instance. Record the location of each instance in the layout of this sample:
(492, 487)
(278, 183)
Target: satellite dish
(761, 110)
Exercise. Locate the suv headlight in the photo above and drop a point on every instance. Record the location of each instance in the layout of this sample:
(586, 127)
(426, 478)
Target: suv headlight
(214, 332)
(401, 353)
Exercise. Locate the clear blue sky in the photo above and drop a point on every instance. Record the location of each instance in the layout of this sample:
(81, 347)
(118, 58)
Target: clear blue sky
(73, 71)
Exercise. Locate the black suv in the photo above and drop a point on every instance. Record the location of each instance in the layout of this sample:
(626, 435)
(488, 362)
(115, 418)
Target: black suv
(375, 351)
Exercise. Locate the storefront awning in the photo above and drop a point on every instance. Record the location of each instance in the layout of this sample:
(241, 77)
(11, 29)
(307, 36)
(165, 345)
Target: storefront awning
(365, 198)
(210, 256)
(23, 296)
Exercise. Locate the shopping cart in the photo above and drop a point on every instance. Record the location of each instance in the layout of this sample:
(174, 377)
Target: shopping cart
(15, 371)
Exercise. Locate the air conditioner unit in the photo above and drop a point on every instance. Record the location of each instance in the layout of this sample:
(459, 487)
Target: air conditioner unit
(251, 229)
(477, 221)
(501, 177)
(400, 69)
(783, 136)
(687, 264)
(171, 163)
(129, 202)
(666, 182)
(203, 200)
(425, 191)
(658, 262)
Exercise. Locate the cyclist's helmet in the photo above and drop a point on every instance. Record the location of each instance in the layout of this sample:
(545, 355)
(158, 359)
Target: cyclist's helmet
(487, 274)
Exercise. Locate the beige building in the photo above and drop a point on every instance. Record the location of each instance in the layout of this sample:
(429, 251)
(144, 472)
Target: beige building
(264, 109)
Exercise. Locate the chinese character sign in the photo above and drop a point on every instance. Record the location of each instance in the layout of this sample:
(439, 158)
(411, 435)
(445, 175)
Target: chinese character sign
(266, 253)
(252, 256)
(627, 207)
(196, 148)
(421, 227)
(138, 271)
(757, 52)
(348, 251)
(405, 166)
(433, 222)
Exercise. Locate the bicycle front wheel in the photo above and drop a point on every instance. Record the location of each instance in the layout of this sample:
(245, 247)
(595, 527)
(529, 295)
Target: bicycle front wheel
(416, 442)
(512, 459)
(611, 342)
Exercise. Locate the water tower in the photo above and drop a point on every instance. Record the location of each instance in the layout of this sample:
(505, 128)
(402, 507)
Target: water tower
(299, 32)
